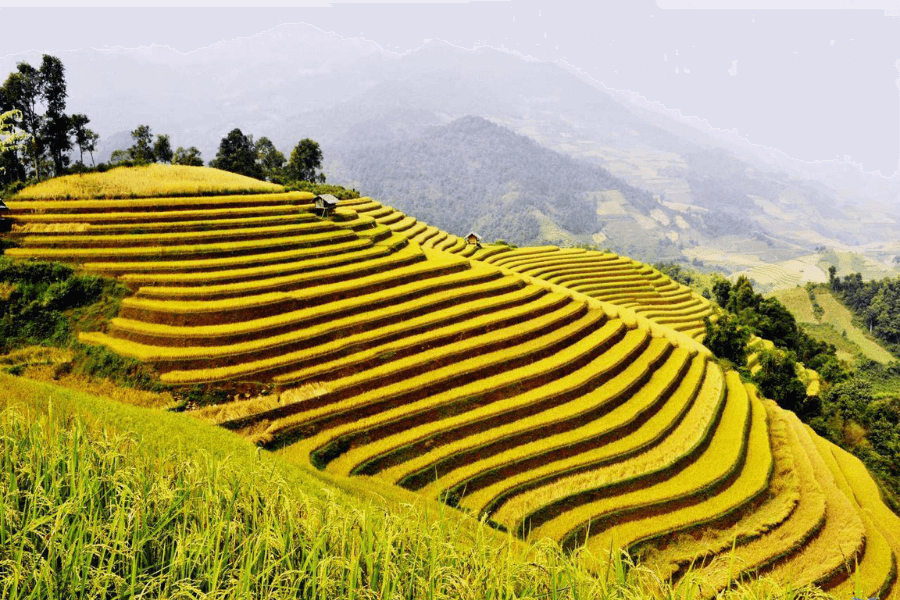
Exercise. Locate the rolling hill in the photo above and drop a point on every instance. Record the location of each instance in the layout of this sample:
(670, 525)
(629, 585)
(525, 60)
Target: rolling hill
(555, 393)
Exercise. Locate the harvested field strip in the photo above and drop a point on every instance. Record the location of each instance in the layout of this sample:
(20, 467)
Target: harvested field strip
(662, 460)
(868, 497)
(432, 330)
(717, 465)
(568, 456)
(490, 375)
(876, 569)
(395, 431)
(234, 310)
(685, 549)
(341, 337)
(573, 429)
(142, 227)
(174, 217)
(92, 240)
(783, 541)
(194, 251)
(750, 484)
(290, 282)
(253, 273)
(380, 309)
(468, 434)
(824, 560)
(151, 205)
(229, 262)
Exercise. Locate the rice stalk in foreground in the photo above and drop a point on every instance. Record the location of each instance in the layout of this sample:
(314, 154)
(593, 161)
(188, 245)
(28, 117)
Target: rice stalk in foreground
(87, 513)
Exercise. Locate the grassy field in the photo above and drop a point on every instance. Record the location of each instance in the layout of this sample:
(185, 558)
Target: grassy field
(549, 392)
(835, 326)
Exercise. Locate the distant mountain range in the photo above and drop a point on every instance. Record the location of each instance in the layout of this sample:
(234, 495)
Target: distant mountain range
(645, 182)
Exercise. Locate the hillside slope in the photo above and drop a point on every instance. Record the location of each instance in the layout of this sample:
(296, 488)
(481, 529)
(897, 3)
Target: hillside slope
(519, 385)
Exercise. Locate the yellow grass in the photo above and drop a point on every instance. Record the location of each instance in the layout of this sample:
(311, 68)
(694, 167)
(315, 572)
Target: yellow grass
(243, 407)
(147, 181)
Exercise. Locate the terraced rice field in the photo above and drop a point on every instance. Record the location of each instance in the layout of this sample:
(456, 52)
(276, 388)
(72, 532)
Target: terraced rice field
(552, 392)
(604, 276)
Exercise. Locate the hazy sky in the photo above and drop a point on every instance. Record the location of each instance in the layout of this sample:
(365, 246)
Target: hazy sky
(816, 83)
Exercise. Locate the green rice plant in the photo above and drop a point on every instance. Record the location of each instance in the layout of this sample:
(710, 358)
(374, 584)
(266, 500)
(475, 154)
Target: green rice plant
(616, 439)
(678, 447)
(752, 482)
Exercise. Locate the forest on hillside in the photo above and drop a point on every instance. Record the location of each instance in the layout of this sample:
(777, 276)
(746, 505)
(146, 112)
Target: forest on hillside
(477, 175)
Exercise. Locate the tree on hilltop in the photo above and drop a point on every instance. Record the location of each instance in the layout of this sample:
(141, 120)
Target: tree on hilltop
(85, 138)
(237, 154)
(270, 159)
(162, 149)
(305, 159)
(188, 157)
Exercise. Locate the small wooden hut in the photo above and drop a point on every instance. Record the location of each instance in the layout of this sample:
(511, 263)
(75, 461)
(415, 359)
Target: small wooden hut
(473, 238)
(325, 204)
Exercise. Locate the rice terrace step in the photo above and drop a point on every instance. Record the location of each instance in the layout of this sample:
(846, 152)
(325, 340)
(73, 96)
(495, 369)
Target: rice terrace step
(549, 392)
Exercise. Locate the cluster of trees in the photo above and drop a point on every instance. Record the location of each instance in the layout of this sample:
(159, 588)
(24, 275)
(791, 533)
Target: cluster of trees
(875, 303)
(146, 150)
(750, 313)
(239, 153)
(36, 134)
